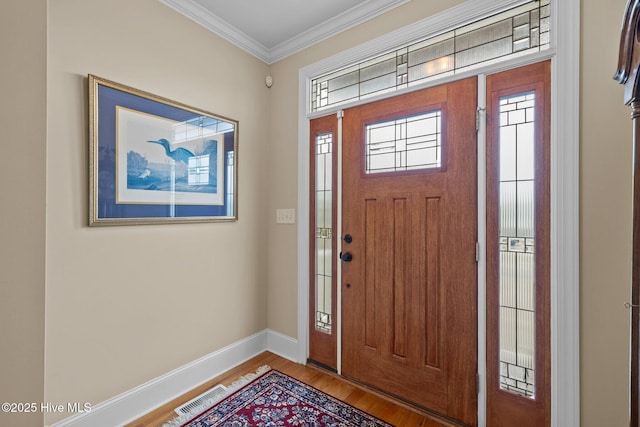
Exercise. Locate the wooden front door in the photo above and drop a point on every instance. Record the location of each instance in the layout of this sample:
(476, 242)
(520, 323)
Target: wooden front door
(409, 294)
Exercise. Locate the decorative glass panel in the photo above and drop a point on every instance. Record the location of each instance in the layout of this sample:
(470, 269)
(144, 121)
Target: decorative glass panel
(404, 144)
(517, 244)
(518, 31)
(324, 233)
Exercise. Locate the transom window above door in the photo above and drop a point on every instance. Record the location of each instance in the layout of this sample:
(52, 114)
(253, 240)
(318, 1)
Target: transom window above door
(518, 31)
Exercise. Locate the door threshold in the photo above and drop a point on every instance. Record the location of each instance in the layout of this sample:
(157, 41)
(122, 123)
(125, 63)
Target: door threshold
(424, 412)
(324, 368)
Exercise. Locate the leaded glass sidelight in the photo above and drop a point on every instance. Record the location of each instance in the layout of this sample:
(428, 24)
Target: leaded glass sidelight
(324, 233)
(517, 244)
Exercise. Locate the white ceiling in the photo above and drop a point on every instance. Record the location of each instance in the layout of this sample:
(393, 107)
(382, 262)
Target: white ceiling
(274, 29)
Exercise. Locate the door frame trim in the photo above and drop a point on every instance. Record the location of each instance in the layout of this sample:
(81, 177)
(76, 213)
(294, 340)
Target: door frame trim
(481, 139)
(565, 55)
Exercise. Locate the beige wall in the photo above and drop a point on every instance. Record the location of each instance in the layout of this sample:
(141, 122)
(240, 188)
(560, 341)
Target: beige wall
(127, 304)
(117, 314)
(22, 210)
(605, 215)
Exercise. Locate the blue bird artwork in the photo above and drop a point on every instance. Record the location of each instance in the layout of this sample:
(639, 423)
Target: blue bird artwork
(179, 154)
(192, 168)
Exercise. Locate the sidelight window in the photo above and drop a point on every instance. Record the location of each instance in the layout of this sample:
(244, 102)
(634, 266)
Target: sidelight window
(323, 243)
(324, 232)
(517, 243)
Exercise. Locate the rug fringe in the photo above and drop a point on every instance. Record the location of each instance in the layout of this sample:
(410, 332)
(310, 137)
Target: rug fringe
(235, 386)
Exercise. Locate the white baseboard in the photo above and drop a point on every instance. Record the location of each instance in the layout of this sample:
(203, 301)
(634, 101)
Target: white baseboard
(282, 345)
(140, 400)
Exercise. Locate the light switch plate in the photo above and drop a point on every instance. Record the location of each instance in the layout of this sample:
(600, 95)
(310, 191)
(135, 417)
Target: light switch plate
(285, 216)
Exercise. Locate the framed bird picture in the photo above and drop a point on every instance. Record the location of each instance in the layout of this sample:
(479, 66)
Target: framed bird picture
(153, 160)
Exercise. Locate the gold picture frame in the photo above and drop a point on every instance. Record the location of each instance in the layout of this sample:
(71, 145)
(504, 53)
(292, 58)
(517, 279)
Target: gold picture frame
(157, 161)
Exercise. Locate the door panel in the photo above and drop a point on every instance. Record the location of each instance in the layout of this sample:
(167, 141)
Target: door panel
(409, 292)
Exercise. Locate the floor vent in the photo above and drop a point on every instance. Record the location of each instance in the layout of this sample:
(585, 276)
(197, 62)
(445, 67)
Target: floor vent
(209, 395)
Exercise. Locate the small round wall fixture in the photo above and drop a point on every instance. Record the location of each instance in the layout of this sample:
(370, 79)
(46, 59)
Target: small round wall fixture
(268, 81)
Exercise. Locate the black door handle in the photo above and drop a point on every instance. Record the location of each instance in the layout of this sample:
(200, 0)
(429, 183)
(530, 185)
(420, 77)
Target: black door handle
(346, 257)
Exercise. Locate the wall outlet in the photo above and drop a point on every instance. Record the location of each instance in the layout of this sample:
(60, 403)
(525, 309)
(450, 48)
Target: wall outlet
(285, 216)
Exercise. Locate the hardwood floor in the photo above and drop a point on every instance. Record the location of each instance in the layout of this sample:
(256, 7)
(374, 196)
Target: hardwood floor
(391, 411)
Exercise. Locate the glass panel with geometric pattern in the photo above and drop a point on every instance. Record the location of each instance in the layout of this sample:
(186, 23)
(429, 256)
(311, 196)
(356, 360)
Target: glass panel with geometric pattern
(518, 31)
(324, 233)
(407, 143)
(517, 244)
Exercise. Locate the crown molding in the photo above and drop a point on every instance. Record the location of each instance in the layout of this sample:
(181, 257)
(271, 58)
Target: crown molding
(338, 24)
(202, 16)
(342, 22)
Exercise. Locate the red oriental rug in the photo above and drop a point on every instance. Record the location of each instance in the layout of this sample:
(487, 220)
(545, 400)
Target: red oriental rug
(274, 399)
